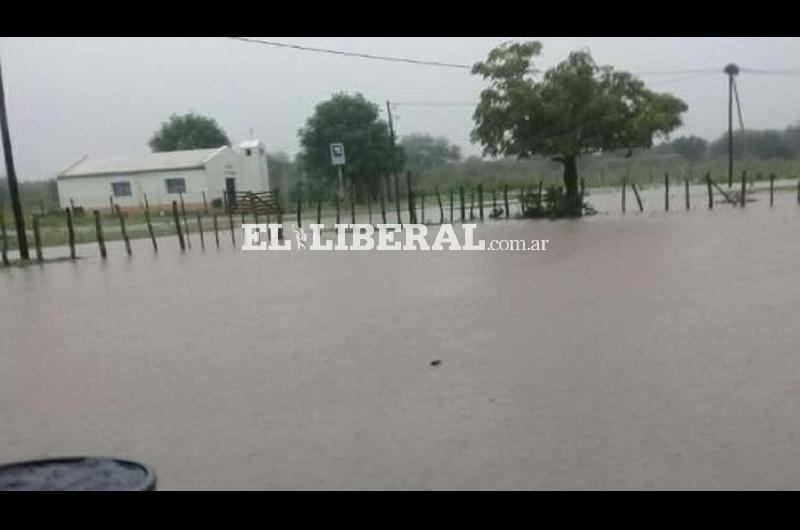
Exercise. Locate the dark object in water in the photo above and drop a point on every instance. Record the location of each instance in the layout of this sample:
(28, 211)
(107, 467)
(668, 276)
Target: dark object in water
(436, 362)
(77, 474)
(496, 213)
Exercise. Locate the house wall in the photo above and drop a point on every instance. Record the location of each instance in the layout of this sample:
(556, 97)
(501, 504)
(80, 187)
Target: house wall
(254, 169)
(92, 192)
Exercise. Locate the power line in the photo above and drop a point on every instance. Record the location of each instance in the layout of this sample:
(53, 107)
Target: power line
(683, 78)
(788, 71)
(420, 61)
(353, 54)
(433, 104)
(679, 72)
(791, 72)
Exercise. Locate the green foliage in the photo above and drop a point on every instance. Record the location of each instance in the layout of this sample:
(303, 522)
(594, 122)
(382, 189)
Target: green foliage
(692, 148)
(554, 203)
(189, 131)
(764, 144)
(423, 152)
(353, 121)
(576, 108)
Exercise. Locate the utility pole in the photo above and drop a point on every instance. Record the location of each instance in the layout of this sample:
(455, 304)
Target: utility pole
(732, 70)
(394, 160)
(11, 174)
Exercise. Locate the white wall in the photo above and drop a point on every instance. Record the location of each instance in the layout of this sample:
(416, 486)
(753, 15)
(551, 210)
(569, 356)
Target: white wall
(93, 192)
(254, 170)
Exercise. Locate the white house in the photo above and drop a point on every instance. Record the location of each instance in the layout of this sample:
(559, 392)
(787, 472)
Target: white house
(90, 182)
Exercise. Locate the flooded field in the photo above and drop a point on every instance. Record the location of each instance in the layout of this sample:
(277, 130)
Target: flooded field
(645, 351)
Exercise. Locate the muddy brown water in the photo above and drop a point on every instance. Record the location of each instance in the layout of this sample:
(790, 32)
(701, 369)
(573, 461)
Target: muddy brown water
(641, 352)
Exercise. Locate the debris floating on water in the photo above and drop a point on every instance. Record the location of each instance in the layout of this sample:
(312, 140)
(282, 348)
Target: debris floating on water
(436, 362)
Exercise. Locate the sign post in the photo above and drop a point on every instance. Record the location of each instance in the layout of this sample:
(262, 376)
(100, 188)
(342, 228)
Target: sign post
(338, 160)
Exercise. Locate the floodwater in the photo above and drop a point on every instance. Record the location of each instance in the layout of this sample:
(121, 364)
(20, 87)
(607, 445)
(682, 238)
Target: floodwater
(642, 351)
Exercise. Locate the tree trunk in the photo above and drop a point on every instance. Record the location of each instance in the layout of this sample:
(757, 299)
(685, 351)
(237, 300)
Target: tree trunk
(573, 199)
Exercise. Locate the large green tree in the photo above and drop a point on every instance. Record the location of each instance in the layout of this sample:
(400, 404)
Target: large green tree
(355, 122)
(573, 109)
(424, 151)
(189, 131)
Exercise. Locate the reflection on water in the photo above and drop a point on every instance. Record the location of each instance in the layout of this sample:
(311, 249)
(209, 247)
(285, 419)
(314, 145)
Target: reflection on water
(642, 351)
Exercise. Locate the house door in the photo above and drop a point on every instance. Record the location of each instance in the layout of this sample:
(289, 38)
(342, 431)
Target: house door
(230, 186)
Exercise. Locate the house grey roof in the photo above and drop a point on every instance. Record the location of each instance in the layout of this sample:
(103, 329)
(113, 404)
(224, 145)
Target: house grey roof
(188, 159)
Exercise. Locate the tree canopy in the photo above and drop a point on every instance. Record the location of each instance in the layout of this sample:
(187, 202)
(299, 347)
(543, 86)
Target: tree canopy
(189, 131)
(575, 108)
(353, 121)
(423, 151)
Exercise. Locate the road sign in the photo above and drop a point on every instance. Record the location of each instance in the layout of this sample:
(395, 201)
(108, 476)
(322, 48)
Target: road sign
(337, 154)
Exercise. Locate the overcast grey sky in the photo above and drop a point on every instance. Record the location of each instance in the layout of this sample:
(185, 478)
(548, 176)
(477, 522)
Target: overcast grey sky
(106, 96)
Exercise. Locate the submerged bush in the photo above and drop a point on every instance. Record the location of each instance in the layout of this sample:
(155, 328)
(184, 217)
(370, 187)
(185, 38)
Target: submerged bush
(553, 203)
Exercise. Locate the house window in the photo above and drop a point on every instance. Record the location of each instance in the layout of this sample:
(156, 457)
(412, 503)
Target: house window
(247, 152)
(121, 189)
(177, 185)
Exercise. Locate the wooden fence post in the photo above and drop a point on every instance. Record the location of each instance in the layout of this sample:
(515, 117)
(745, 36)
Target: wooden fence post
(451, 204)
(742, 199)
(216, 229)
(338, 209)
(178, 224)
(205, 203)
(666, 192)
(150, 226)
(186, 223)
(98, 227)
(70, 233)
(494, 200)
(383, 207)
(200, 231)
(686, 190)
(772, 189)
(319, 210)
(111, 203)
(480, 200)
(505, 199)
(624, 185)
(37, 239)
(412, 213)
(369, 205)
(397, 198)
(441, 208)
(123, 230)
(710, 191)
(471, 203)
(461, 196)
(638, 198)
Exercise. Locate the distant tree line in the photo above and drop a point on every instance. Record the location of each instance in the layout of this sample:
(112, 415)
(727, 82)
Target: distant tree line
(762, 145)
